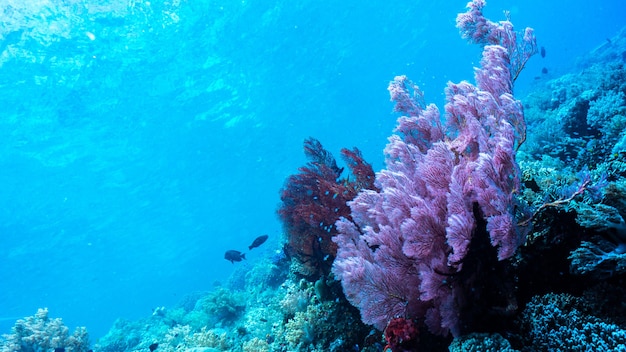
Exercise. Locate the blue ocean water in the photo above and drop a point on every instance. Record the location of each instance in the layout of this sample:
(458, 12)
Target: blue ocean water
(143, 139)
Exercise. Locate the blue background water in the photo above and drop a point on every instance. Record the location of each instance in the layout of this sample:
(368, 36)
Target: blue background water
(142, 140)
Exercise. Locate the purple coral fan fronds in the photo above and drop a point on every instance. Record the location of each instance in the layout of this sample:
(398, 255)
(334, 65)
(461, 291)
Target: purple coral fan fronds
(479, 30)
(366, 280)
(407, 102)
(407, 241)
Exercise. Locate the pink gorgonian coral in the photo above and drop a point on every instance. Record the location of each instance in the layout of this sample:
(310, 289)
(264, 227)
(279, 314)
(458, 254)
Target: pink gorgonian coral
(446, 183)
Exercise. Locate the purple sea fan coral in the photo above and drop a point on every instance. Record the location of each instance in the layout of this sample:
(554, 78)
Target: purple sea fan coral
(445, 187)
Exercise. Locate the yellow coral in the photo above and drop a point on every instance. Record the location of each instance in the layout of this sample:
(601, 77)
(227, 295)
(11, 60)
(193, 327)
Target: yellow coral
(256, 345)
(208, 338)
(297, 298)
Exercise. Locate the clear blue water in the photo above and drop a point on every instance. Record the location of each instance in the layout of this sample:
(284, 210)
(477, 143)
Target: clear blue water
(140, 140)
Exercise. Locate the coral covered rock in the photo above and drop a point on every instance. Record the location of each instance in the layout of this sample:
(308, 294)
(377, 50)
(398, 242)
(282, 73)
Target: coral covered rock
(42, 333)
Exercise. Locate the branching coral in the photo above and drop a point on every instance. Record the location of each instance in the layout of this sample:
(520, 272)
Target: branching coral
(560, 323)
(222, 305)
(41, 333)
(314, 199)
(447, 192)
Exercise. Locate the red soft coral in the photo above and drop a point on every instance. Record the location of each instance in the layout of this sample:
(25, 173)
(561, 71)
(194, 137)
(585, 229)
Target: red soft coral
(314, 199)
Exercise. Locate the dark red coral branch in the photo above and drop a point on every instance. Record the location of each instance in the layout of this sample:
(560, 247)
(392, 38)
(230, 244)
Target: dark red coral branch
(314, 199)
(401, 335)
(362, 171)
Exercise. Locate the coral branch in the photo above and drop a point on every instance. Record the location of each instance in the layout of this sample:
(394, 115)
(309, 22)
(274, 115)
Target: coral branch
(557, 203)
(314, 199)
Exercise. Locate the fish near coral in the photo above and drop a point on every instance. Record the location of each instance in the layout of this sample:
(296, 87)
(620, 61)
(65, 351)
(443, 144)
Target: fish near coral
(258, 241)
(234, 256)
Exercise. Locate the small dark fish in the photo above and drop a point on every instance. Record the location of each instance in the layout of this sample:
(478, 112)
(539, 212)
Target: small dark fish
(153, 347)
(544, 71)
(543, 52)
(59, 349)
(258, 241)
(234, 256)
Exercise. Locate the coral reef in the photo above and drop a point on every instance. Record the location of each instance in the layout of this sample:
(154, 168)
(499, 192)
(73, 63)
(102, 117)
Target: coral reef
(222, 305)
(481, 342)
(313, 324)
(579, 123)
(256, 345)
(562, 322)
(42, 333)
(297, 315)
(452, 247)
(580, 117)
